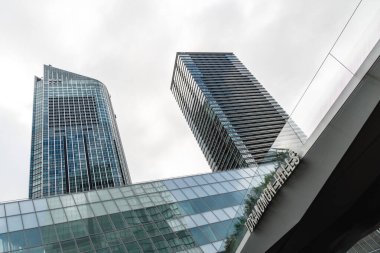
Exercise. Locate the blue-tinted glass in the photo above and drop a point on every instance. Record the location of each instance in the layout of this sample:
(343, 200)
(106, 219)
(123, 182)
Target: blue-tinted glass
(228, 186)
(160, 243)
(190, 181)
(210, 217)
(147, 246)
(78, 228)
(26, 206)
(199, 191)
(12, 209)
(64, 231)
(67, 200)
(118, 249)
(112, 238)
(111, 207)
(126, 235)
(219, 188)
(217, 177)
(185, 208)
(17, 240)
(198, 236)
(221, 214)
(180, 182)
(85, 211)
(133, 247)
(4, 246)
(170, 185)
(54, 202)
(199, 180)
(52, 248)
(209, 190)
(209, 178)
(33, 237)
(115, 193)
(29, 220)
(118, 221)
(80, 198)
(189, 223)
(48, 234)
(44, 218)
(178, 195)
(199, 205)
(98, 209)
(92, 226)
(14, 223)
(58, 216)
(40, 204)
(190, 194)
(139, 232)
(104, 195)
(92, 196)
(2, 211)
(69, 246)
(105, 223)
(3, 225)
(84, 244)
(220, 229)
(198, 219)
(99, 241)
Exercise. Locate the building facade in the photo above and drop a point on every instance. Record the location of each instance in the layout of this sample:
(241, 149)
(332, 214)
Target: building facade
(75, 140)
(233, 118)
(188, 214)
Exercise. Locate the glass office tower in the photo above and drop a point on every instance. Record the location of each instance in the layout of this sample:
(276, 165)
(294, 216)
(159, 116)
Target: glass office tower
(233, 118)
(188, 214)
(75, 140)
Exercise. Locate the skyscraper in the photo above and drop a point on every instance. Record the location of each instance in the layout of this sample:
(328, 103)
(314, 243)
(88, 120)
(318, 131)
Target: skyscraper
(75, 140)
(233, 118)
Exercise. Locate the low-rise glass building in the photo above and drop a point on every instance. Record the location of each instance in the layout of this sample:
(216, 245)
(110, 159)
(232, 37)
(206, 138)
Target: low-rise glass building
(189, 214)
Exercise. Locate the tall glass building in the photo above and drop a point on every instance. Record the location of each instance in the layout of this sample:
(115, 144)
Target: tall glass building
(233, 118)
(75, 140)
(188, 214)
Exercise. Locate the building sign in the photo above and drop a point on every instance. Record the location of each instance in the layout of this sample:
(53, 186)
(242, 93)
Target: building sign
(280, 177)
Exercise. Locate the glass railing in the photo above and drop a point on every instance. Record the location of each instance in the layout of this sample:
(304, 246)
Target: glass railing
(329, 87)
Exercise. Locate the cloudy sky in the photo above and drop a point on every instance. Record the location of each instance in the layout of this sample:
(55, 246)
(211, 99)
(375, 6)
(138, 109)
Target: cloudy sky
(130, 46)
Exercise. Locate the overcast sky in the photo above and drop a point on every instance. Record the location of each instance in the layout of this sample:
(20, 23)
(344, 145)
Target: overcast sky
(130, 46)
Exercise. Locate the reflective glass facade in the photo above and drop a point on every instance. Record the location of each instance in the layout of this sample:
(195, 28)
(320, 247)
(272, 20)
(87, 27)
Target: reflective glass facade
(75, 140)
(233, 118)
(189, 214)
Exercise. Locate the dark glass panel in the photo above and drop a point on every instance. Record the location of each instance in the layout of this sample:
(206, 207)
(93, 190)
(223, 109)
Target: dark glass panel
(16, 240)
(151, 229)
(133, 247)
(84, 244)
(198, 236)
(78, 228)
(139, 232)
(92, 226)
(131, 218)
(33, 237)
(105, 223)
(118, 221)
(48, 234)
(69, 246)
(4, 246)
(146, 245)
(99, 241)
(126, 235)
(64, 231)
(118, 249)
(112, 238)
